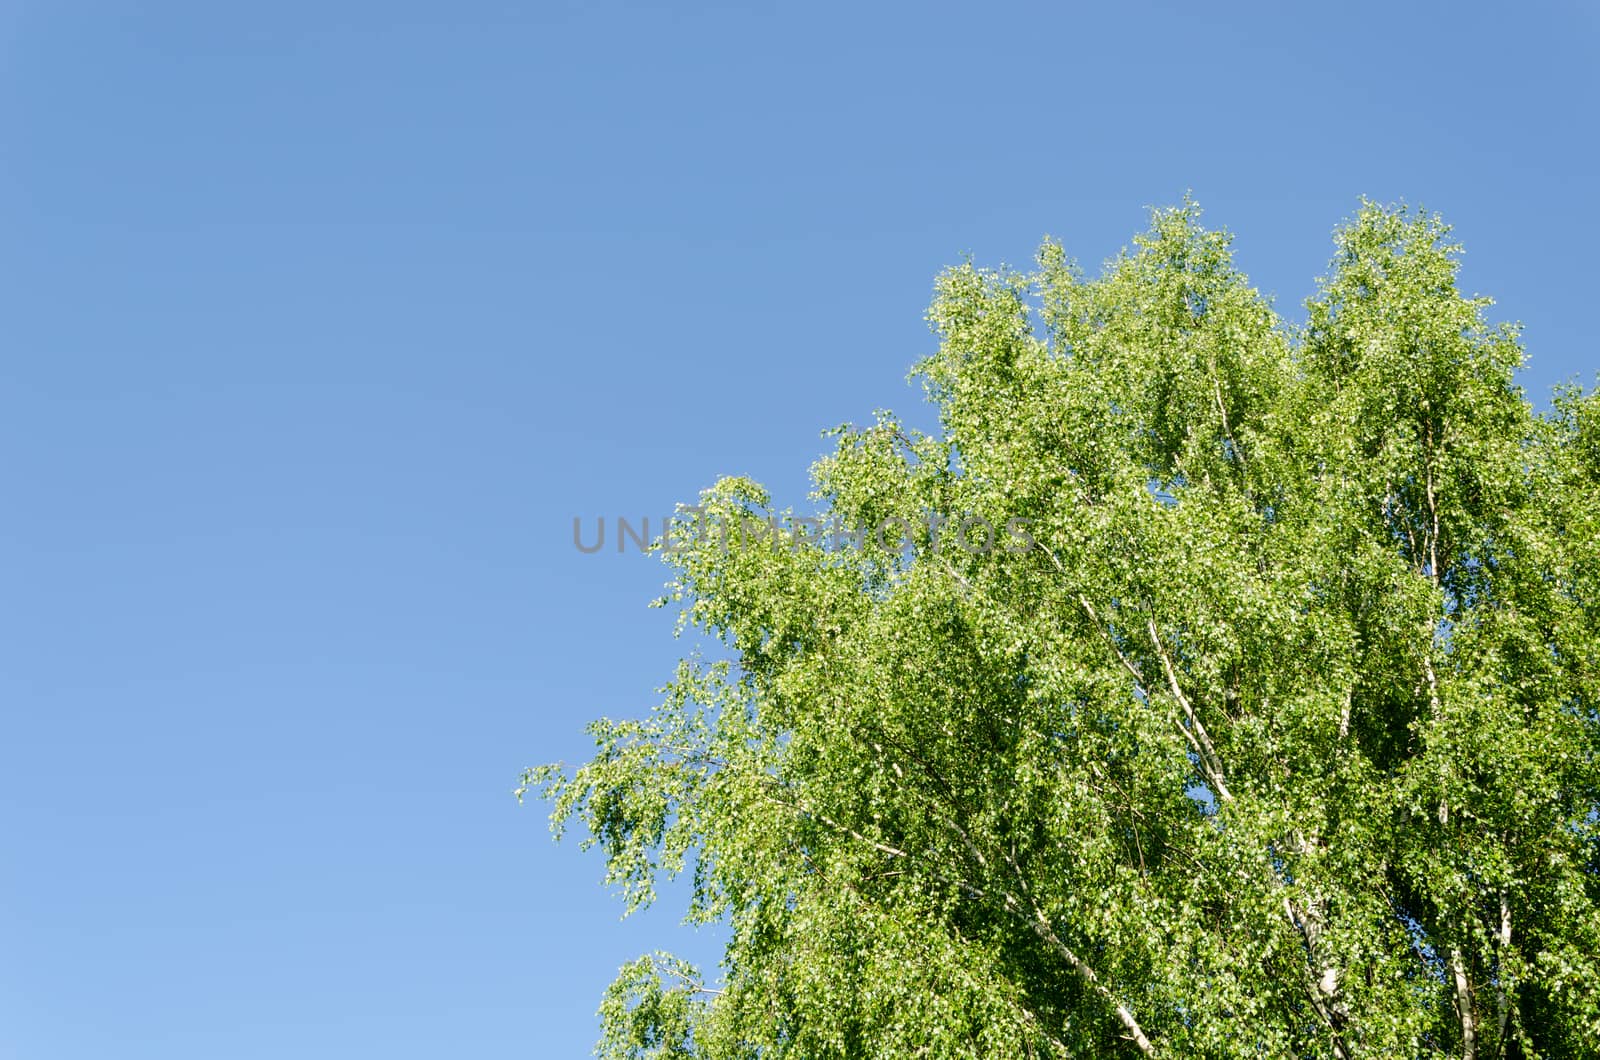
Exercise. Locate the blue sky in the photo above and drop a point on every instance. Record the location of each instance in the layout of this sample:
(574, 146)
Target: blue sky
(321, 322)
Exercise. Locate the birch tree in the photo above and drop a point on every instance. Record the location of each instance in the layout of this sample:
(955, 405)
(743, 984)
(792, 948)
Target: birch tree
(1277, 737)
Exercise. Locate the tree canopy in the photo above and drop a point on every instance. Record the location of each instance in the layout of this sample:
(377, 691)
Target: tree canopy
(1279, 737)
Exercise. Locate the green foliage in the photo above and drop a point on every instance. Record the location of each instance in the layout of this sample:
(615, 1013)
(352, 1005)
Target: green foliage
(1282, 741)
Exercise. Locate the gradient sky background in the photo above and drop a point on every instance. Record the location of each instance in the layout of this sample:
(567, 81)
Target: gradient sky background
(322, 321)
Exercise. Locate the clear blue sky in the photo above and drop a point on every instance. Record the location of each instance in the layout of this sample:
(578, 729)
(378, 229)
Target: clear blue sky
(322, 321)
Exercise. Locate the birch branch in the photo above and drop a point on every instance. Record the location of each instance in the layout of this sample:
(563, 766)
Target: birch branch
(1208, 752)
(1469, 1023)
